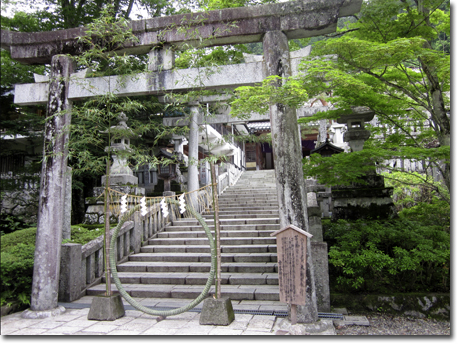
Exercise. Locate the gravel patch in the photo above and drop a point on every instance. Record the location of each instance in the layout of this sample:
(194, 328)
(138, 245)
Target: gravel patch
(383, 324)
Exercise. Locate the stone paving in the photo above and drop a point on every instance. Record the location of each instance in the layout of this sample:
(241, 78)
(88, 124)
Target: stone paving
(74, 322)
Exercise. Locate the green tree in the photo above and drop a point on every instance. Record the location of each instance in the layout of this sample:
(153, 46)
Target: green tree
(386, 61)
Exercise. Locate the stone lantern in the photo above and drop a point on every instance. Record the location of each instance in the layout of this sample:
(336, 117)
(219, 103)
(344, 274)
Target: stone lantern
(121, 177)
(356, 134)
(361, 201)
(120, 172)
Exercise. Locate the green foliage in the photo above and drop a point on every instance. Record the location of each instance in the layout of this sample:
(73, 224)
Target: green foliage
(388, 256)
(418, 198)
(412, 188)
(16, 273)
(386, 60)
(347, 168)
(16, 266)
(10, 223)
(17, 260)
(272, 90)
(104, 37)
(220, 55)
(26, 236)
(83, 234)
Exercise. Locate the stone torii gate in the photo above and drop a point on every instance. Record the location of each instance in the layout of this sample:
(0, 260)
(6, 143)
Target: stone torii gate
(273, 25)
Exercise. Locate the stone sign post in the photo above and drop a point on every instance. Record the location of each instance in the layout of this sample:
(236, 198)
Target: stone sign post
(292, 267)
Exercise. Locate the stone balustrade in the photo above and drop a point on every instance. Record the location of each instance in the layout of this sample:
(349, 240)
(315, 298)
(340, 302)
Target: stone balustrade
(82, 266)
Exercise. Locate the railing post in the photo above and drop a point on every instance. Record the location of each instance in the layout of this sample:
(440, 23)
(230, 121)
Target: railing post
(70, 285)
(136, 241)
(90, 268)
(99, 262)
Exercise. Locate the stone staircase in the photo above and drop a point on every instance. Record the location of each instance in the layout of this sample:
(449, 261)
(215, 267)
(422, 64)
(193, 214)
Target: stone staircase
(176, 261)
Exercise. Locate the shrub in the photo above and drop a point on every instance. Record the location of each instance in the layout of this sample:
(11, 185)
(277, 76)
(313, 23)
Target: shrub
(388, 256)
(84, 233)
(27, 236)
(17, 260)
(17, 265)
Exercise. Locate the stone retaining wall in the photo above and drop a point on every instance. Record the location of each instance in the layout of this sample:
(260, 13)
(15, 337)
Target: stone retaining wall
(435, 305)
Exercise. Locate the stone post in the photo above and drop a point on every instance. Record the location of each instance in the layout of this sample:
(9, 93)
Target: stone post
(67, 204)
(44, 298)
(287, 146)
(287, 156)
(161, 59)
(192, 167)
(138, 232)
(70, 272)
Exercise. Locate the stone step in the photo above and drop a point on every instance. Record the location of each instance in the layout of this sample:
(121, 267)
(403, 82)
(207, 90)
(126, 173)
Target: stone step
(223, 233)
(252, 188)
(234, 292)
(247, 203)
(204, 257)
(163, 266)
(176, 262)
(183, 278)
(240, 221)
(204, 248)
(238, 215)
(249, 194)
(232, 207)
(225, 241)
(244, 227)
(246, 211)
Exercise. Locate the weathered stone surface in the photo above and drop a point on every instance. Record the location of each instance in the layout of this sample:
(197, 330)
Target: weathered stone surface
(287, 154)
(67, 204)
(370, 200)
(157, 83)
(320, 264)
(35, 314)
(193, 171)
(218, 312)
(106, 308)
(435, 305)
(70, 277)
(297, 19)
(50, 215)
(320, 327)
(352, 321)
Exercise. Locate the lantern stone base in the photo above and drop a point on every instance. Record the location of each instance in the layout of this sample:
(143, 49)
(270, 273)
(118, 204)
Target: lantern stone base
(368, 201)
(106, 308)
(119, 179)
(217, 312)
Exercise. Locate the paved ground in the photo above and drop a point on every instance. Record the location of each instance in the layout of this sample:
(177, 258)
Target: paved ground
(74, 322)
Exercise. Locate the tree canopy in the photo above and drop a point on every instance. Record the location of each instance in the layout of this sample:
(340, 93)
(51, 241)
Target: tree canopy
(393, 60)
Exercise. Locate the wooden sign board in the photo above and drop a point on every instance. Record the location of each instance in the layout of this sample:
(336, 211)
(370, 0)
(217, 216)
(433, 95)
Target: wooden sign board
(292, 264)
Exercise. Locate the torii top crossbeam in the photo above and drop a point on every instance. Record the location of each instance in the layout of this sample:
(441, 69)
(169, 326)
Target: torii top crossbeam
(297, 19)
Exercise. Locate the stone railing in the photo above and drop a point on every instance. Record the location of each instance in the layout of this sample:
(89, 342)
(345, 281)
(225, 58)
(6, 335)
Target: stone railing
(229, 177)
(223, 182)
(82, 266)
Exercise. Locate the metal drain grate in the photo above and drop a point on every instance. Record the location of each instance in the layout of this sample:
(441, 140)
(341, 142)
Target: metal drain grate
(250, 312)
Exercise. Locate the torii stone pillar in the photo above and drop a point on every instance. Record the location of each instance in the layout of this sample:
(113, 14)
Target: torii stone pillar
(287, 146)
(44, 298)
(287, 156)
(193, 165)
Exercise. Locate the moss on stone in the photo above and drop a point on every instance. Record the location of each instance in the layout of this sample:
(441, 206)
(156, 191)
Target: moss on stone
(432, 305)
